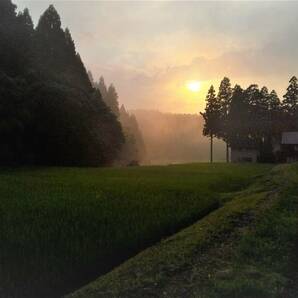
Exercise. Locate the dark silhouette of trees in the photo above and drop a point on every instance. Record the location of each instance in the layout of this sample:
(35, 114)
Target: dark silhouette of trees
(56, 51)
(133, 150)
(49, 112)
(101, 86)
(224, 96)
(275, 116)
(15, 37)
(290, 104)
(259, 121)
(111, 100)
(109, 95)
(134, 147)
(237, 123)
(212, 117)
(274, 101)
(290, 101)
(252, 118)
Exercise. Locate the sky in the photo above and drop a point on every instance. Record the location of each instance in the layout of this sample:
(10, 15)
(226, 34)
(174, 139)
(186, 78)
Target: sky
(150, 50)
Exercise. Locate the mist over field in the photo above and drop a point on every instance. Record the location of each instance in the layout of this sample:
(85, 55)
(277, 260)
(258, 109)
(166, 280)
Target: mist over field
(175, 138)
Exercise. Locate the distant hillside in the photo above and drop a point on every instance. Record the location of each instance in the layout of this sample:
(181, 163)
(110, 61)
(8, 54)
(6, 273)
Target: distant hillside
(175, 138)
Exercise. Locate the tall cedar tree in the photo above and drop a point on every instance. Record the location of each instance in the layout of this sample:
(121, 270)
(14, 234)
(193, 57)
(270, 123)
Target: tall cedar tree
(275, 116)
(101, 85)
(109, 95)
(212, 117)
(290, 104)
(255, 115)
(224, 96)
(237, 127)
(266, 147)
(112, 100)
(57, 53)
(15, 39)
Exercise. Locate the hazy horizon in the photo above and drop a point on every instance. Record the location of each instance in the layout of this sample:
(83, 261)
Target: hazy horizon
(150, 50)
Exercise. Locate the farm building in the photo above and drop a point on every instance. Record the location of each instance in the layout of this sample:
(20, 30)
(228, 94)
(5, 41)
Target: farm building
(289, 146)
(284, 150)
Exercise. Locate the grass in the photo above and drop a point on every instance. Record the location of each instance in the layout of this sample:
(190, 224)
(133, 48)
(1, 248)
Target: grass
(247, 248)
(264, 262)
(60, 228)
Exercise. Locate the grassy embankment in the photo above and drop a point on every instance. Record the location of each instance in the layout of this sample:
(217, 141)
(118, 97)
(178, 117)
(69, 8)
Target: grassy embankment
(247, 248)
(61, 228)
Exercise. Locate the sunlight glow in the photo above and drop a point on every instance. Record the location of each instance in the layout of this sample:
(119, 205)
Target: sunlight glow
(193, 86)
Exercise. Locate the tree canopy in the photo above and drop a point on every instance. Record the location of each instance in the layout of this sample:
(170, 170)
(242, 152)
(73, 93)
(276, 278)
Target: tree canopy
(251, 118)
(49, 112)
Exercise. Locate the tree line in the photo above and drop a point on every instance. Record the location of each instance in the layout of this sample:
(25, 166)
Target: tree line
(50, 113)
(251, 118)
(133, 150)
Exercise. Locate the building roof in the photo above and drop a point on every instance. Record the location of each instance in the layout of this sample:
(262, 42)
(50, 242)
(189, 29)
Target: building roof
(290, 138)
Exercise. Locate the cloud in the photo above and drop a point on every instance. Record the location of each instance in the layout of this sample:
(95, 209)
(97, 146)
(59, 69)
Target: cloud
(149, 49)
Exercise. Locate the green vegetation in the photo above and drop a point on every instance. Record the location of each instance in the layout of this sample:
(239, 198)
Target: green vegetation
(50, 114)
(246, 248)
(62, 227)
(264, 262)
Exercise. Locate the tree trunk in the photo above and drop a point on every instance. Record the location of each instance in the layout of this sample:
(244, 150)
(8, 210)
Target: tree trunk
(227, 153)
(211, 149)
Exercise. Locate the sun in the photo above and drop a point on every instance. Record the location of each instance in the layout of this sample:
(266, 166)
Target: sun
(193, 86)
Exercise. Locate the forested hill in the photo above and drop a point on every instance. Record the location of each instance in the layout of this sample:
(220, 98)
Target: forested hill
(49, 112)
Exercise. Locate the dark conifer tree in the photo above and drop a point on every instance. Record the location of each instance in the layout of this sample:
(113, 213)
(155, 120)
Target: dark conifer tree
(265, 127)
(51, 42)
(290, 104)
(50, 22)
(13, 47)
(275, 117)
(274, 101)
(69, 43)
(253, 99)
(7, 11)
(258, 120)
(25, 21)
(212, 116)
(56, 51)
(290, 101)
(237, 128)
(101, 85)
(263, 112)
(224, 96)
(112, 100)
(25, 36)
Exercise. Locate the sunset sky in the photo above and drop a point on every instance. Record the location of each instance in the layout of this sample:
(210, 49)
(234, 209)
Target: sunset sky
(152, 50)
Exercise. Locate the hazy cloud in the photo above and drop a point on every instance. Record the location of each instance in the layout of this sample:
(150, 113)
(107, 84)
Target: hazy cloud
(149, 49)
